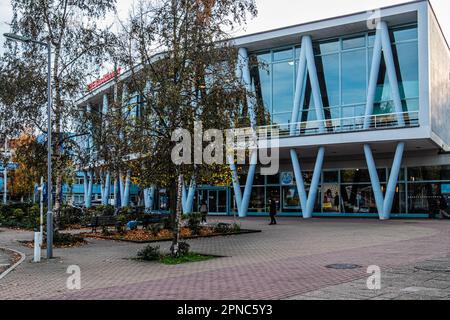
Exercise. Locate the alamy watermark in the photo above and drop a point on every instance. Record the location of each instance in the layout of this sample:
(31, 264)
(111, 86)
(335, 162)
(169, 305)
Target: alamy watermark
(232, 146)
(374, 281)
(74, 280)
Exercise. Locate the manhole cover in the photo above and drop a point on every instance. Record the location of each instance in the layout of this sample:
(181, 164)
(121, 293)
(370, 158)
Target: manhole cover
(343, 266)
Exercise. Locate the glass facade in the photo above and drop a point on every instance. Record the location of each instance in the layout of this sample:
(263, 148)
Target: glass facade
(342, 192)
(343, 67)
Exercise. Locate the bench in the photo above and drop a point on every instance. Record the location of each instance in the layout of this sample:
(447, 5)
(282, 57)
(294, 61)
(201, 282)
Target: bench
(102, 221)
(149, 219)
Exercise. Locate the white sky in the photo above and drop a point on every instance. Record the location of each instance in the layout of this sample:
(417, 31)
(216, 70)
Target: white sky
(280, 13)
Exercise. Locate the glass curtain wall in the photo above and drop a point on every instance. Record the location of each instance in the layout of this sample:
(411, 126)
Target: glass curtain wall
(343, 67)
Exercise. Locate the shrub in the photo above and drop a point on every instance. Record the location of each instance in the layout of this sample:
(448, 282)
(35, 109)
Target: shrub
(222, 228)
(155, 228)
(106, 232)
(194, 222)
(149, 253)
(168, 223)
(183, 248)
(18, 215)
(66, 239)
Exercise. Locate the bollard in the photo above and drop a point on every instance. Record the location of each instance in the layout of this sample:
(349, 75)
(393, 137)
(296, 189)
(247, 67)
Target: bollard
(37, 247)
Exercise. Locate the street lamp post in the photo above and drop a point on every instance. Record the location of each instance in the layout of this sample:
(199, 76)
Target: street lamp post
(15, 37)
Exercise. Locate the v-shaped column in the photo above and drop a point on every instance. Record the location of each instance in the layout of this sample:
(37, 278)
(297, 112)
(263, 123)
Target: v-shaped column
(307, 200)
(242, 201)
(188, 197)
(307, 65)
(384, 203)
(383, 45)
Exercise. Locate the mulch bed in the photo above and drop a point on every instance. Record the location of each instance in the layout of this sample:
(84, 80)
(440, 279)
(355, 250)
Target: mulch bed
(30, 244)
(13, 257)
(142, 236)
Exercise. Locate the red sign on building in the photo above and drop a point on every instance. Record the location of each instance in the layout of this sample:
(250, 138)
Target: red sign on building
(97, 83)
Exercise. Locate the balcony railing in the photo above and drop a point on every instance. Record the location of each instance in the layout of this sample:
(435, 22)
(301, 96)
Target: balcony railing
(341, 125)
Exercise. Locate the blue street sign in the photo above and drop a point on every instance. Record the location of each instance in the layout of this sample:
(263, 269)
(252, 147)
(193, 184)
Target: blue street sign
(9, 166)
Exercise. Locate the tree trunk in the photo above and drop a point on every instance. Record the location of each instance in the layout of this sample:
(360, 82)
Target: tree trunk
(177, 218)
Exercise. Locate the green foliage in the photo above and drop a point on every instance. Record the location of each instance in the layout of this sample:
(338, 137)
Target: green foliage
(155, 228)
(106, 232)
(149, 253)
(121, 222)
(66, 239)
(183, 248)
(191, 257)
(194, 222)
(224, 228)
(20, 215)
(168, 222)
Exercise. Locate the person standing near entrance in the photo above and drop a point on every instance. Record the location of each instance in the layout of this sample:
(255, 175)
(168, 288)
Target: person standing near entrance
(204, 211)
(273, 212)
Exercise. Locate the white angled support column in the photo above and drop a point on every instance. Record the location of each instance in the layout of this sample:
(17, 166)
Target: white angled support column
(307, 65)
(383, 46)
(307, 200)
(243, 201)
(106, 189)
(188, 197)
(149, 196)
(384, 203)
(88, 186)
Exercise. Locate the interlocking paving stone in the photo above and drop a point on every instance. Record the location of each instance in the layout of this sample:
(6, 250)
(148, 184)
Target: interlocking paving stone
(284, 261)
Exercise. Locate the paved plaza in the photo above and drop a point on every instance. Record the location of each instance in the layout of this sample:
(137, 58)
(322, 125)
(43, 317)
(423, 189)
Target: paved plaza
(287, 261)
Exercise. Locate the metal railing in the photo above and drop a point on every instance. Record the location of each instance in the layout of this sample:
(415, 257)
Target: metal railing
(340, 125)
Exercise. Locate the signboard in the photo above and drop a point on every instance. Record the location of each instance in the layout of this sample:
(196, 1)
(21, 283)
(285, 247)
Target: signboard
(445, 188)
(9, 166)
(107, 77)
(287, 178)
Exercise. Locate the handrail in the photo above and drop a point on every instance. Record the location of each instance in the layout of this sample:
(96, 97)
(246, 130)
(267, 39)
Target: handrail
(340, 125)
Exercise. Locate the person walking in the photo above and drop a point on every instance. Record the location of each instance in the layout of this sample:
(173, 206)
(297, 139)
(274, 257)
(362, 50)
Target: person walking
(273, 212)
(204, 211)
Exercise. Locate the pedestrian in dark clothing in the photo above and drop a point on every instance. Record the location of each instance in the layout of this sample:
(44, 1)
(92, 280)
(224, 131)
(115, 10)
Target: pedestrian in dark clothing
(204, 211)
(273, 212)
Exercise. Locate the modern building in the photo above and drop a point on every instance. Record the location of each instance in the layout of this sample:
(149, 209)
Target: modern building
(362, 103)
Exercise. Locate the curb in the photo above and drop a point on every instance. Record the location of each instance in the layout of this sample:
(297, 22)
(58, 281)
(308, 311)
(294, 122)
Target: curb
(22, 259)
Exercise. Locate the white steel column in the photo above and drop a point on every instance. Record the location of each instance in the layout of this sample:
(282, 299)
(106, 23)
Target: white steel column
(307, 65)
(242, 201)
(383, 46)
(384, 203)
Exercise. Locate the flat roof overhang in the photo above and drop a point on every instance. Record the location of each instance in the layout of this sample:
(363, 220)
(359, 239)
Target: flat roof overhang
(328, 28)
(349, 144)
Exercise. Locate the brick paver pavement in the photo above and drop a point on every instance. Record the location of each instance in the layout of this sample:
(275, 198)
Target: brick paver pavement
(283, 261)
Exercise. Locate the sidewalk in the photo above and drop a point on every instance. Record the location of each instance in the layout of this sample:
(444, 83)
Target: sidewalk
(284, 261)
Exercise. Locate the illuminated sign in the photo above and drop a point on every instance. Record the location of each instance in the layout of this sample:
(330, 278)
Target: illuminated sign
(107, 77)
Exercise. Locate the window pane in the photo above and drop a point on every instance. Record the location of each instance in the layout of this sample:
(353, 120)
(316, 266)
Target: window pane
(261, 78)
(326, 47)
(429, 173)
(352, 43)
(283, 87)
(353, 77)
(328, 72)
(404, 34)
(281, 118)
(282, 55)
(407, 63)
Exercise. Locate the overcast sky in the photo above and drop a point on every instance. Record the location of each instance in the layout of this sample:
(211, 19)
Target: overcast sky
(281, 13)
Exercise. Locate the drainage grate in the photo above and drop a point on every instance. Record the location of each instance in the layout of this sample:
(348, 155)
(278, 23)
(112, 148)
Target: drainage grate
(343, 266)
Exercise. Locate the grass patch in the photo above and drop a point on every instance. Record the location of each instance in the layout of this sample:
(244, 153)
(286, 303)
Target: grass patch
(190, 257)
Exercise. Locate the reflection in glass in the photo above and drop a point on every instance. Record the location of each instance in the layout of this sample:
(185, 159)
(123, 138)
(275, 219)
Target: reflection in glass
(328, 73)
(354, 77)
(283, 87)
(353, 43)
